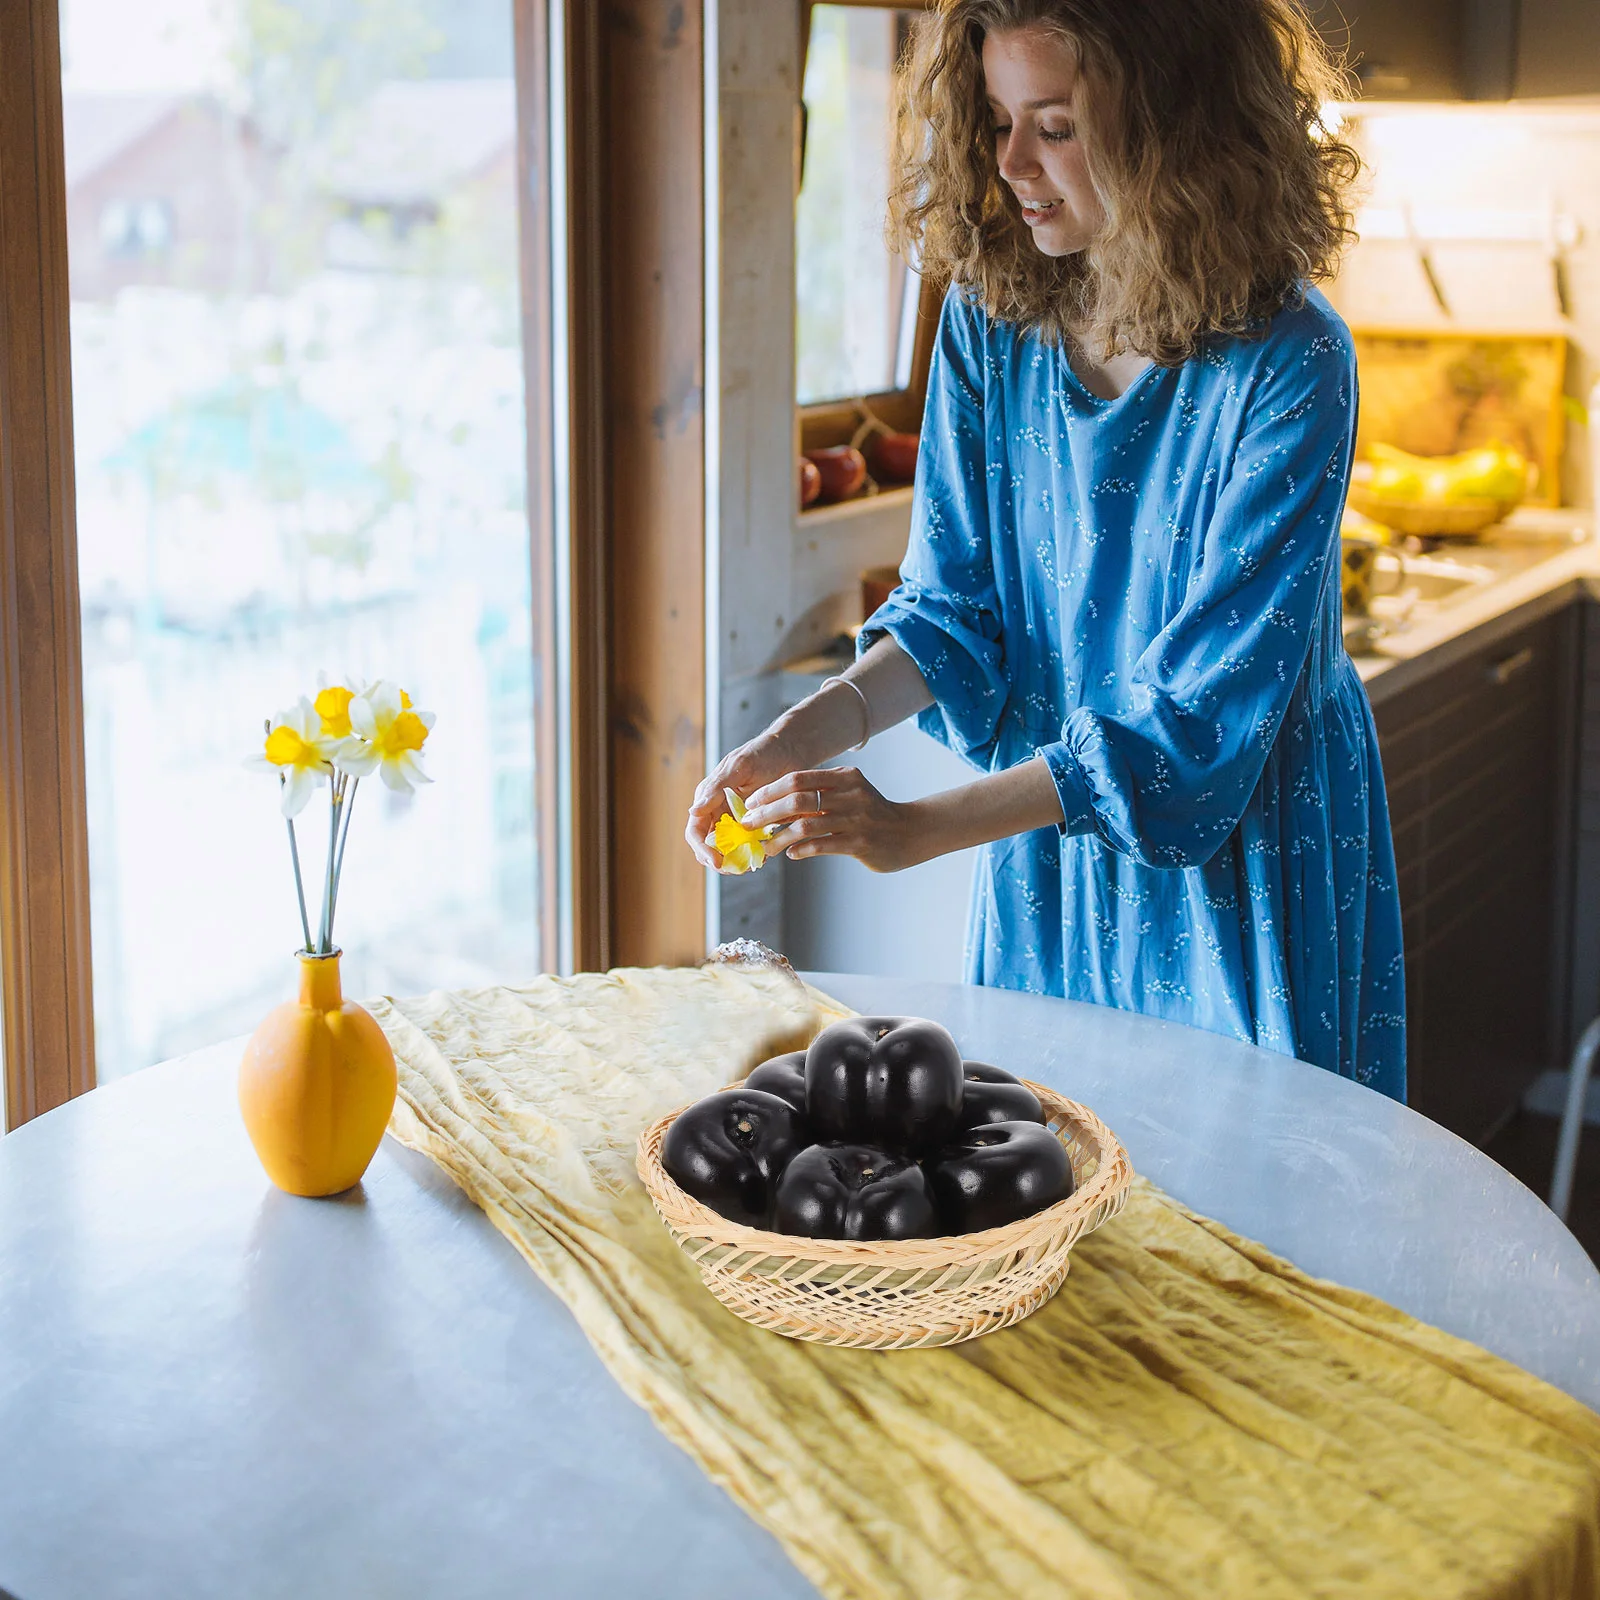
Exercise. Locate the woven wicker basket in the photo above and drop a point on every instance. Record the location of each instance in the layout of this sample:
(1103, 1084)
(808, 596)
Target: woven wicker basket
(1455, 519)
(899, 1294)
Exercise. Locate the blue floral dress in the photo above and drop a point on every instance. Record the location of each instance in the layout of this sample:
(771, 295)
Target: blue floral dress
(1145, 592)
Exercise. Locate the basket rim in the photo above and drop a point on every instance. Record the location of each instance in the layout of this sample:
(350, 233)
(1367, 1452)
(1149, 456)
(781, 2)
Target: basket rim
(1476, 502)
(1426, 517)
(689, 1217)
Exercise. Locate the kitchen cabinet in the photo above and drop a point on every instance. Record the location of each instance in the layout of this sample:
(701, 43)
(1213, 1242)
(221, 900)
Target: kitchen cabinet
(1558, 48)
(1583, 954)
(1397, 49)
(1479, 765)
(1465, 49)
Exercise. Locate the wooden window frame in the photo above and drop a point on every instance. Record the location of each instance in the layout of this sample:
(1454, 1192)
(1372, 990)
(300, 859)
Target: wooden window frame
(44, 854)
(834, 422)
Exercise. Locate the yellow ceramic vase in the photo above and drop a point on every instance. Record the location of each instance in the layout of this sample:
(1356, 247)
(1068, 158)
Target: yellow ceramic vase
(316, 1086)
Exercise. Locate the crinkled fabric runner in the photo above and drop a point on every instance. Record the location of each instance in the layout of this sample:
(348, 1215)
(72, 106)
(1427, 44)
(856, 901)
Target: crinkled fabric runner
(1190, 1416)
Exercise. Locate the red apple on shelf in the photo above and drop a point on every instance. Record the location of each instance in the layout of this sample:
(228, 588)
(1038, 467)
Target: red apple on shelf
(810, 483)
(842, 468)
(893, 457)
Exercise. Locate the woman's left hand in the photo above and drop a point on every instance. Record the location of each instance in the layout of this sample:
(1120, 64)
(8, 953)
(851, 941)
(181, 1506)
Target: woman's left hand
(834, 811)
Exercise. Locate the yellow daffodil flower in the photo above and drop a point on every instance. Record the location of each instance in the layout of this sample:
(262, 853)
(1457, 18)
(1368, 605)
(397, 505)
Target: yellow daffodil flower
(342, 735)
(742, 849)
(294, 751)
(386, 736)
(333, 706)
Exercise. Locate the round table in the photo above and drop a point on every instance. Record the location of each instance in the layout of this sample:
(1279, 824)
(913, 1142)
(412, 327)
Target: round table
(211, 1388)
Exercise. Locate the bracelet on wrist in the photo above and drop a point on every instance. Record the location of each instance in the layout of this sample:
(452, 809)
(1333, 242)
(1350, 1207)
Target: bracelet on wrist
(866, 707)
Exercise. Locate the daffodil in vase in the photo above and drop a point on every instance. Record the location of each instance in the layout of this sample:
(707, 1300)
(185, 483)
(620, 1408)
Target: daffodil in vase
(317, 1082)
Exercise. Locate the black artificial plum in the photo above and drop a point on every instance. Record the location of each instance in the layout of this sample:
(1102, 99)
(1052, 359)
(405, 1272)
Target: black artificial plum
(784, 1076)
(889, 1081)
(988, 1176)
(991, 1095)
(853, 1191)
(729, 1150)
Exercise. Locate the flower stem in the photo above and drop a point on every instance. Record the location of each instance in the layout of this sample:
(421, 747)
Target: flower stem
(325, 943)
(294, 856)
(352, 784)
(299, 886)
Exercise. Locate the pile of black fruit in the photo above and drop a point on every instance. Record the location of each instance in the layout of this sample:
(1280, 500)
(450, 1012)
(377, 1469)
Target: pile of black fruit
(879, 1131)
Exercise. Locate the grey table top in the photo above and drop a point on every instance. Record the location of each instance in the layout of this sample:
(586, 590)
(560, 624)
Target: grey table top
(211, 1388)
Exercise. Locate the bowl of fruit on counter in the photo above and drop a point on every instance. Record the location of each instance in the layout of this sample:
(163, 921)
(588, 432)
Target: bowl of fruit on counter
(1440, 496)
(878, 1190)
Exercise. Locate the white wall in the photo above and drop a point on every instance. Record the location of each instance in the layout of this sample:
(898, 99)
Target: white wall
(756, 74)
(786, 584)
(840, 917)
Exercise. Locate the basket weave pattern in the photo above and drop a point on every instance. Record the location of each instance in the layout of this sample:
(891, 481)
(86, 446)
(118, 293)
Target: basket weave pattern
(1458, 519)
(898, 1294)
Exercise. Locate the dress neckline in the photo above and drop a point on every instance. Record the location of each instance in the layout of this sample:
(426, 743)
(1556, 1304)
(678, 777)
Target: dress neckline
(1098, 401)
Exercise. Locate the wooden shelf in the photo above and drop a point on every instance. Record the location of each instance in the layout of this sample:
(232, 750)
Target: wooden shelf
(862, 504)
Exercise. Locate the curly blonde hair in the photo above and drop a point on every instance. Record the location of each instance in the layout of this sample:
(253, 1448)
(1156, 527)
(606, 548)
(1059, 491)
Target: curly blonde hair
(1201, 124)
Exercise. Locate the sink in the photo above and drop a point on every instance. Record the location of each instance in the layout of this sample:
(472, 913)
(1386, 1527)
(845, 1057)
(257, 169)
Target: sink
(1427, 583)
(1441, 575)
(1431, 579)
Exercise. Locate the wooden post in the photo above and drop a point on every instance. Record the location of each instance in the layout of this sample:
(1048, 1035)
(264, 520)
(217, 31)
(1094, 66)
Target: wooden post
(44, 855)
(636, 211)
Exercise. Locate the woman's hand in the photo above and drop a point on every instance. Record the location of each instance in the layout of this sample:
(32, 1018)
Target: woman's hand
(744, 770)
(887, 687)
(834, 811)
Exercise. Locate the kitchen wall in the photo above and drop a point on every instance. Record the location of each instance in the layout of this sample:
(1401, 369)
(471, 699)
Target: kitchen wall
(1501, 197)
(784, 586)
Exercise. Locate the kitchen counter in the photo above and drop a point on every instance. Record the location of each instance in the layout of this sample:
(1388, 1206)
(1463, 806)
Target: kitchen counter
(1534, 563)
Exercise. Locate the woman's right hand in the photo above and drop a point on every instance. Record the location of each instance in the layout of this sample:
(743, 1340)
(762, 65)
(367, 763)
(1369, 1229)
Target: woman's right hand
(765, 759)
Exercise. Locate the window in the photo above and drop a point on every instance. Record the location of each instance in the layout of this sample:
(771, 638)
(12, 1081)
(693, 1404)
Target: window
(299, 423)
(864, 318)
(857, 301)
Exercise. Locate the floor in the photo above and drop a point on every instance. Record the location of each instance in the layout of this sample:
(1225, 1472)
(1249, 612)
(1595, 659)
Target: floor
(1526, 1147)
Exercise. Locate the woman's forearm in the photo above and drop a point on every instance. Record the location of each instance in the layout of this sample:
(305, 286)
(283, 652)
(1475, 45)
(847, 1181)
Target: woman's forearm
(1017, 800)
(835, 811)
(836, 718)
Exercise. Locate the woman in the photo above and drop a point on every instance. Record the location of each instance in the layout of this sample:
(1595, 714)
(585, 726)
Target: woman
(1121, 598)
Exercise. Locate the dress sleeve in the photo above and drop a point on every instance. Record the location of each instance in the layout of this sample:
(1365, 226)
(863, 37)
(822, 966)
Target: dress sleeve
(945, 614)
(1167, 779)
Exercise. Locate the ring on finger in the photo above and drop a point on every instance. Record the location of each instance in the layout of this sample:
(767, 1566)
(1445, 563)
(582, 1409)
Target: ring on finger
(819, 802)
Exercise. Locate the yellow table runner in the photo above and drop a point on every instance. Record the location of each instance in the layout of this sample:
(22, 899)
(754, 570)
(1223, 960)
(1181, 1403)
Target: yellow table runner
(1190, 1416)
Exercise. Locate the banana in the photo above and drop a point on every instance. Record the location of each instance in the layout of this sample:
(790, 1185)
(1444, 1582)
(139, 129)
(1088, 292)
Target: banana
(1490, 472)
